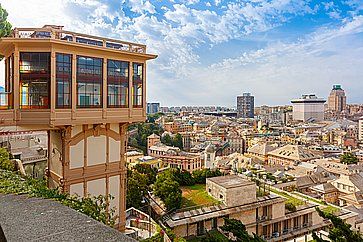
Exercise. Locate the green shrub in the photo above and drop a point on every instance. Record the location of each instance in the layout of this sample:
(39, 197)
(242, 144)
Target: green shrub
(95, 207)
(5, 162)
(291, 207)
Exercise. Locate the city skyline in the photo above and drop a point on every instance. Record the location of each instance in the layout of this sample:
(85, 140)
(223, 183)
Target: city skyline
(212, 51)
(119, 111)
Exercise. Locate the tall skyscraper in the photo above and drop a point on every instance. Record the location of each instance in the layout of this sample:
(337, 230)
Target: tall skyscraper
(152, 108)
(308, 108)
(337, 100)
(245, 106)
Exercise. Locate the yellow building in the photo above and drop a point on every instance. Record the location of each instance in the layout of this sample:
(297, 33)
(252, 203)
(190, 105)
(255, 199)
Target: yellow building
(148, 160)
(131, 157)
(84, 91)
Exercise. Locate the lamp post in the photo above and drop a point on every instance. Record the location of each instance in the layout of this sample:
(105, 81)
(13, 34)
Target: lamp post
(147, 200)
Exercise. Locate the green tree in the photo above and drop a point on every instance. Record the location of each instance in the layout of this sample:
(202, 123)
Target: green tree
(201, 175)
(166, 139)
(167, 188)
(5, 26)
(5, 162)
(148, 171)
(178, 141)
(136, 188)
(348, 158)
(340, 231)
(238, 229)
(151, 118)
(186, 179)
(138, 139)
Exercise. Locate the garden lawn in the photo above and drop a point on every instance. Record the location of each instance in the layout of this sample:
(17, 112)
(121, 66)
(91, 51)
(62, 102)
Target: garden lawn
(290, 199)
(331, 209)
(196, 195)
(212, 235)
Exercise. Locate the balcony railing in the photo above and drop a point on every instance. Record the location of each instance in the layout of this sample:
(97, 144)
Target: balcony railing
(263, 218)
(68, 36)
(285, 231)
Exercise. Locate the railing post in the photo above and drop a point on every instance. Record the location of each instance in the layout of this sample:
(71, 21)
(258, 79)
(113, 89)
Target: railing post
(16, 33)
(52, 34)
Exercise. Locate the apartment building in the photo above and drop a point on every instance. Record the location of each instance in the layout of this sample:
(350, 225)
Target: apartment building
(265, 216)
(308, 108)
(360, 130)
(245, 106)
(337, 100)
(290, 155)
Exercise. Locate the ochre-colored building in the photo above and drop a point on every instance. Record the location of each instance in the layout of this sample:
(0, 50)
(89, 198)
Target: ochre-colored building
(84, 90)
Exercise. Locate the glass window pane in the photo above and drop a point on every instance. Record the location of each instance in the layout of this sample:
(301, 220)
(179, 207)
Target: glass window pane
(137, 99)
(64, 80)
(117, 77)
(89, 82)
(34, 68)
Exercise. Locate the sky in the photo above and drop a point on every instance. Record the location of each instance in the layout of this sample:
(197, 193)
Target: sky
(210, 51)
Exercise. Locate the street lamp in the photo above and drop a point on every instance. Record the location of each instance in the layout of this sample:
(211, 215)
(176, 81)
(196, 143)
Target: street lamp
(145, 199)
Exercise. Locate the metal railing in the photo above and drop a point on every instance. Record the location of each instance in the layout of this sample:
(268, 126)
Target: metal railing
(68, 36)
(285, 231)
(263, 218)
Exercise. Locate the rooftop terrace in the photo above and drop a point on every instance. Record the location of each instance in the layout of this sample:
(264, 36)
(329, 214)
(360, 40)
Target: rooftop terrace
(57, 33)
(231, 181)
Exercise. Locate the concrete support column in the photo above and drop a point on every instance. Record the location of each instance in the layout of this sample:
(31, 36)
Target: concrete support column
(123, 140)
(66, 159)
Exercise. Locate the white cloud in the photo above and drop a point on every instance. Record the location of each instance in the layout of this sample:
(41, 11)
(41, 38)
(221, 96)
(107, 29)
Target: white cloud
(176, 33)
(282, 71)
(141, 6)
(217, 2)
(191, 2)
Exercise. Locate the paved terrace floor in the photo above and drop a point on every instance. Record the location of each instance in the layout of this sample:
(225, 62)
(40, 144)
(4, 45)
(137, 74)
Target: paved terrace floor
(36, 219)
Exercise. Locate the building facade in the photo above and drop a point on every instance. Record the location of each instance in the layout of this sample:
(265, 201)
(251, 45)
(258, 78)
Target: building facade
(360, 129)
(337, 100)
(245, 106)
(84, 91)
(153, 108)
(290, 155)
(265, 216)
(308, 108)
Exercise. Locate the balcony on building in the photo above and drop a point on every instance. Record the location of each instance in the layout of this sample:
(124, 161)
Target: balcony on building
(55, 77)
